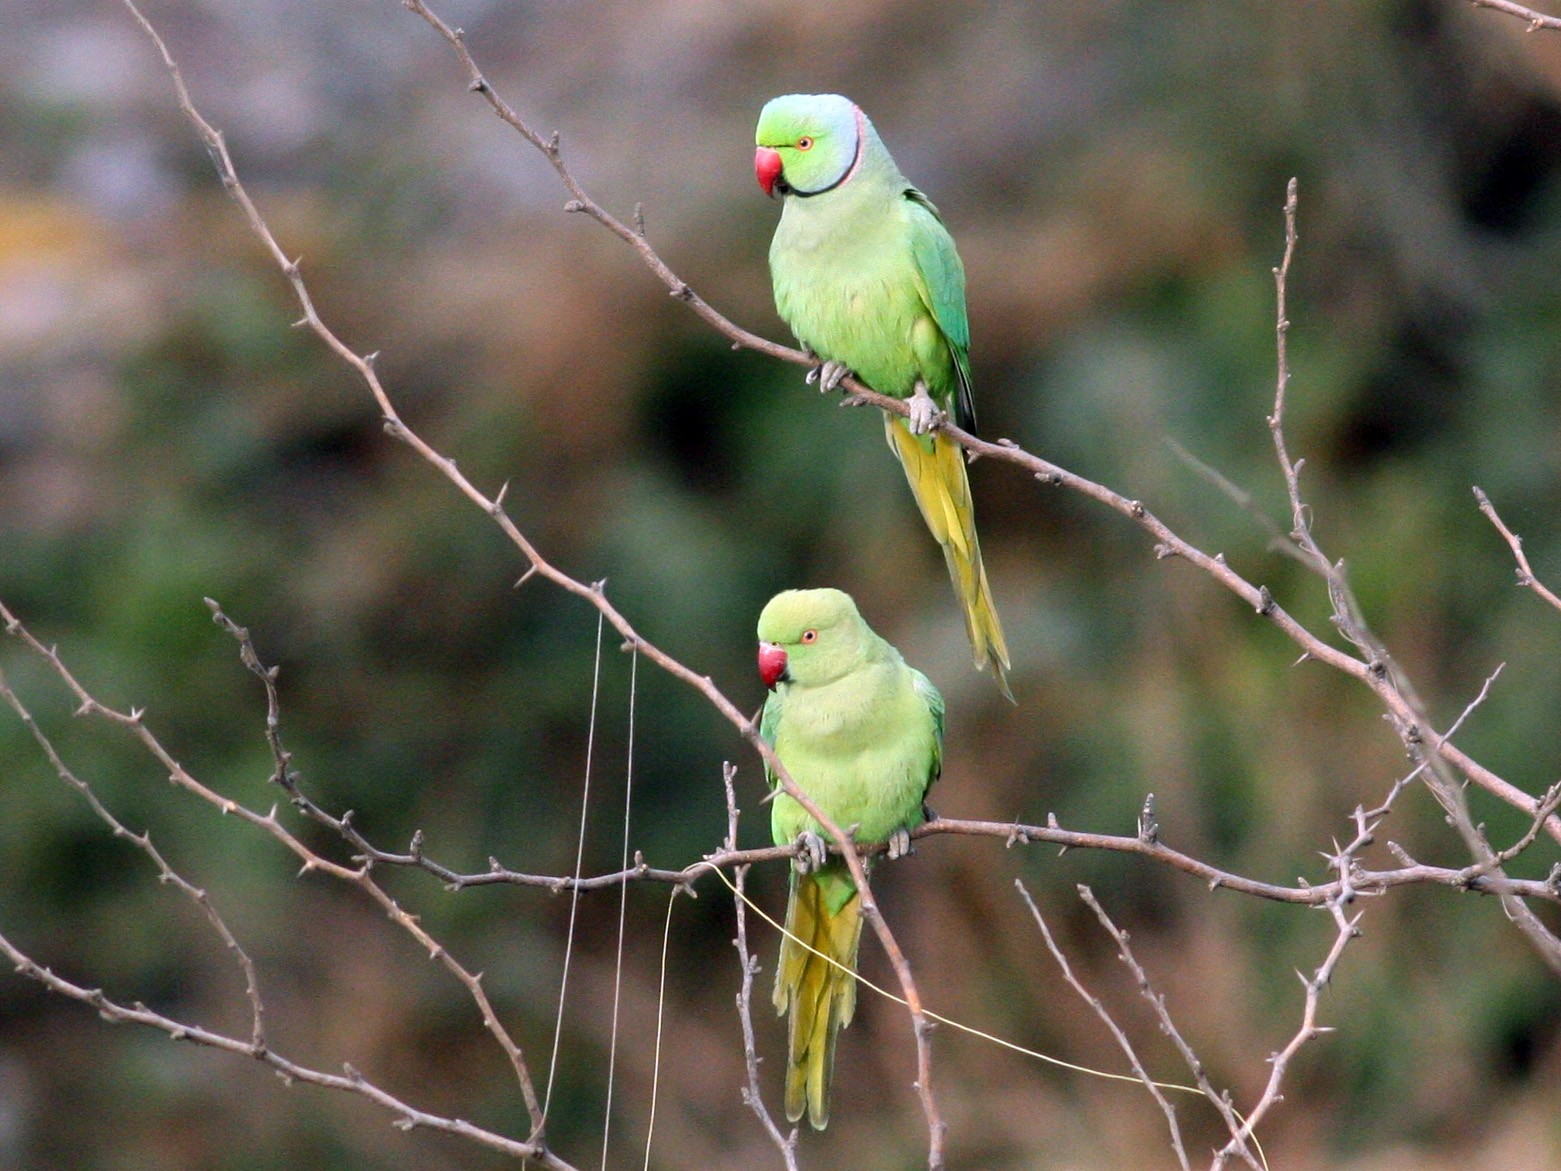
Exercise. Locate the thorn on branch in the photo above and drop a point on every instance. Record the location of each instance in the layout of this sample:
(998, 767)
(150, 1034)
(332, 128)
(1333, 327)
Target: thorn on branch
(1148, 827)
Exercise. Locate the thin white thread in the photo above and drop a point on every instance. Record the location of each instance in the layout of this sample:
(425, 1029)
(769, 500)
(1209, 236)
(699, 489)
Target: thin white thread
(574, 898)
(623, 906)
(661, 1003)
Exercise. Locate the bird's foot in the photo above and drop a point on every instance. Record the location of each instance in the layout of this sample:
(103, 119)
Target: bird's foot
(811, 852)
(828, 375)
(925, 413)
(900, 844)
(854, 400)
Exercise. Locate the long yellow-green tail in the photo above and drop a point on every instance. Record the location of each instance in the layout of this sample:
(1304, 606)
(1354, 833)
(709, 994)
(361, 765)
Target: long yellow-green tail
(935, 468)
(820, 996)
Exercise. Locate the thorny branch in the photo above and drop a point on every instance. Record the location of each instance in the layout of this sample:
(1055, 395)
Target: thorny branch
(753, 1096)
(1220, 1100)
(1123, 1043)
(350, 1080)
(1525, 571)
(360, 876)
(165, 873)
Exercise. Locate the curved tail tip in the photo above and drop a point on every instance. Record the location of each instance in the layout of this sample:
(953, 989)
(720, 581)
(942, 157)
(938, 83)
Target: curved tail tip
(999, 676)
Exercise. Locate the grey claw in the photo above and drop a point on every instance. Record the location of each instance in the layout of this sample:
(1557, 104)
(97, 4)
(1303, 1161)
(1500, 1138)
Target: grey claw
(924, 412)
(811, 852)
(900, 844)
(830, 375)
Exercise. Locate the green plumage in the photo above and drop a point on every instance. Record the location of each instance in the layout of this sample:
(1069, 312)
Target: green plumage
(866, 275)
(862, 734)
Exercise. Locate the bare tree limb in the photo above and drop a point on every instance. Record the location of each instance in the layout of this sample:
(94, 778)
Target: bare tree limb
(349, 1080)
(1536, 20)
(361, 876)
(165, 873)
(1525, 571)
(753, 1095)
(1123, 1043)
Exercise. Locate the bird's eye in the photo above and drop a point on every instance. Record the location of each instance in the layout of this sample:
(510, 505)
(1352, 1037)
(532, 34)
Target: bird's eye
(810, 636)
(804, 143)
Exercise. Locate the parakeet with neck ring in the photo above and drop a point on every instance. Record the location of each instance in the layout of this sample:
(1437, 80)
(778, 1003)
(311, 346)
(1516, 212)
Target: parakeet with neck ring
(861, 733)
(869, 280)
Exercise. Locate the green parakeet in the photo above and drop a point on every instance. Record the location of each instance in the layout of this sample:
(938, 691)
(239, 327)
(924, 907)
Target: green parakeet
(868, 278)
(862, 734)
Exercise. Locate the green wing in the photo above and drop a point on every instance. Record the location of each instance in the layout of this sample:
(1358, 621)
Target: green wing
(769, 721)
(934, 699)
(941, 283)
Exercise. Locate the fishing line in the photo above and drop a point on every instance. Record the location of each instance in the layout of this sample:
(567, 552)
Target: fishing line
(574, 897)
(661, 1003)
(623, 905)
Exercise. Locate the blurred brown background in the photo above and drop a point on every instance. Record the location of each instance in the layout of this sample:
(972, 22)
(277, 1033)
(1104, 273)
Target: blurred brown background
(1113, 174)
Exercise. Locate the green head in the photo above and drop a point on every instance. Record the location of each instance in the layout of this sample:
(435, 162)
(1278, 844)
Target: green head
(808, 143)
(811, 637)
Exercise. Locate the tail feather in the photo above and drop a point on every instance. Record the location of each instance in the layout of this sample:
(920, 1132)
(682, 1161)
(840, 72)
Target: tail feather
(820, 996)
(935, 469)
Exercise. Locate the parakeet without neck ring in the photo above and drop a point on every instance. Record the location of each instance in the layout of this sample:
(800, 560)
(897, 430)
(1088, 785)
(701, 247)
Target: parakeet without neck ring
(868, 278)
(861, 733)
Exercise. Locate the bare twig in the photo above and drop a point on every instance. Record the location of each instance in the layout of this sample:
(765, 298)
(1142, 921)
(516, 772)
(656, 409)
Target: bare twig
(1406, 711)
(1535, 20)
(1220, 1100)
(1116, 1031)
(1347, 929)
(165, 873)
(361, 876)
(1525, 571)
(1278, 540)
(753, 1095)
(408, 1117)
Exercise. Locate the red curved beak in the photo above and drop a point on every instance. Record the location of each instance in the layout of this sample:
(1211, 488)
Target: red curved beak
(767, 168)
(772, 663)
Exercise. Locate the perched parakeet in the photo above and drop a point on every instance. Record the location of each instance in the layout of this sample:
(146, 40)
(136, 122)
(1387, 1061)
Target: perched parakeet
(868, 278)
(862, 734)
